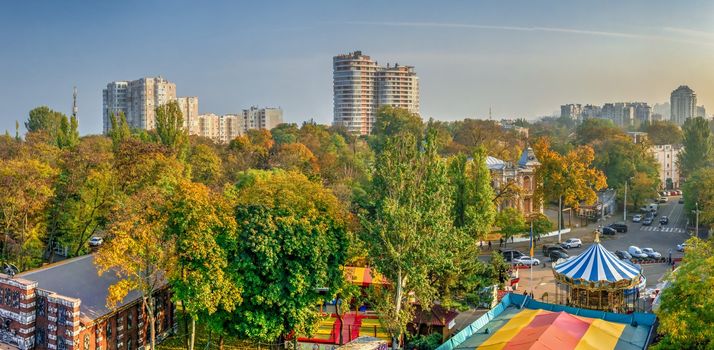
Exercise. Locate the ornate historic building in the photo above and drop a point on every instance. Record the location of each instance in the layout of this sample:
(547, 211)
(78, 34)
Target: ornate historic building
(62, 306)
(515, 183)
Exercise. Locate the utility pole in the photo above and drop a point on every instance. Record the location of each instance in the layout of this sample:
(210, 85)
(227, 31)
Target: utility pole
(697, 222)
(560, 212)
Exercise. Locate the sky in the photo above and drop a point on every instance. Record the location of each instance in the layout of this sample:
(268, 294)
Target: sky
(520, 58)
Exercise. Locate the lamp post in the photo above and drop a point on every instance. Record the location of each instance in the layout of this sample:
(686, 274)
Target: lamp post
(697, 220)
(624, 209)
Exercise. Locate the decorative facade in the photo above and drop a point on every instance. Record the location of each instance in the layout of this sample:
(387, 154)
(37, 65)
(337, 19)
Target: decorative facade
(63, 307)
(516, 182)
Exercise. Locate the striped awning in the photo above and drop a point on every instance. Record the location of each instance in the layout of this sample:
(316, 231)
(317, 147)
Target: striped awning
(596, 264)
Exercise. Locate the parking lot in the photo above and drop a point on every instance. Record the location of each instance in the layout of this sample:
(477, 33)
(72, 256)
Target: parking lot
(661, 239)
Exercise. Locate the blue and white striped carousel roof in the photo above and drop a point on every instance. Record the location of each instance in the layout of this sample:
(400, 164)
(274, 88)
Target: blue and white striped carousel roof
(597, 264)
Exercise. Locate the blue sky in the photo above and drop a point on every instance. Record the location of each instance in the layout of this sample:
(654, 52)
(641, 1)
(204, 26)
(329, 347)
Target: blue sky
(523, 58)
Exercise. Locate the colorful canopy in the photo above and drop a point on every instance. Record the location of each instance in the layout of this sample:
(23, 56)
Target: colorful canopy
(363, 276)
(596, 264)
(541, 329)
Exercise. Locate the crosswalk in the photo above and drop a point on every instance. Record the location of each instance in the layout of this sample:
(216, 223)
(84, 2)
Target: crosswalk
(663, 229)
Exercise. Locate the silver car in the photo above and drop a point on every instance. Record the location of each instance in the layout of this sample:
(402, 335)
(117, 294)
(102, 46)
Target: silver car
(651, 253)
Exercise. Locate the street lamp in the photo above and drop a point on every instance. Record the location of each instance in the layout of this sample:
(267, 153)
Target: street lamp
(624, 209)
(696, 212)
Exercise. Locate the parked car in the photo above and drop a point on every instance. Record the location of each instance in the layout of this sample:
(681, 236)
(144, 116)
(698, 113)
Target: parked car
(679, 192)
(96, 241)
(609, 231)
(637, 218)
(510, 254)
(572, 243)
(636, 252)
(681, 247)
(619, 226)
(681, 200)
(526, 260)
(664, 220)
(651, 253)
(557, 254)
(662, 199)
(547, 248)
(647, 221)
(623, 255)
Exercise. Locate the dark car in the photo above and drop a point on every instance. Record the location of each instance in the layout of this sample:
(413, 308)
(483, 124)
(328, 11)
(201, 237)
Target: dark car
(619, 226)
(608, 231)
(647, 222)
(664, 220)
(510, 254)
(623, 255)
(547, 248)
(681, 200)
(557, 254)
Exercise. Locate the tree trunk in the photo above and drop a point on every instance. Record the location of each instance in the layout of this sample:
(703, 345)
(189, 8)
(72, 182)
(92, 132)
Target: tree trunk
(187, 332)
(152, 320)
(398, 309)
(220, 342)
(193, 333)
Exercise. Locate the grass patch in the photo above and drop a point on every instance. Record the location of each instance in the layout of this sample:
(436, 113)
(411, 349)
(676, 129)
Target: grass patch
(178, 341)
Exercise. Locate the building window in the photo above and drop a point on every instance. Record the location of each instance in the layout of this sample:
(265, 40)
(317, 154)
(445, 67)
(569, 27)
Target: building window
(61, 315)
(109, 330)
(128, 344)
(86, 341)
(41, 306)
(129, 319)
(40, 338)
(61, 345)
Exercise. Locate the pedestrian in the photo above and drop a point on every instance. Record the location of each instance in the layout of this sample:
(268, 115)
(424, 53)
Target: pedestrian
(500, 242)
(511, 239)
(480, 245)
(532, 297)
(669, 259)
(489, 245)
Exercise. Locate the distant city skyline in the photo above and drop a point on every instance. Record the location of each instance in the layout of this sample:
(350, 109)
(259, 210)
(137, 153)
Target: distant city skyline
(522, 58)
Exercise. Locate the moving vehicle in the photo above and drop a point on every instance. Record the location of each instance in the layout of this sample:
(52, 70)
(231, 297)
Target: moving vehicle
(510, 254)
(636, 252)
(623, 255)
(608, 231)
(681, 247)
(548, 248)
(664, 220)
(526, 260)
(557, 254)
(662, 199)
(619, 226)
(637, 218)
(96, 241)
(651, 253)
(572, 243)
(681, 200)
(647, 221)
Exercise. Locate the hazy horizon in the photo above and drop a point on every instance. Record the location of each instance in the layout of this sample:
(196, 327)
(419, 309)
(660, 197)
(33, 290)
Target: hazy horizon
(523, 59)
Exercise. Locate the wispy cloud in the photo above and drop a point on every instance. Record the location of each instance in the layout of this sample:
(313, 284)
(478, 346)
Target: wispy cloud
(693, 36)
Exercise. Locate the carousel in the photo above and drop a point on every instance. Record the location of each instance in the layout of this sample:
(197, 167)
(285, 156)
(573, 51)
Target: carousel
(597, 279)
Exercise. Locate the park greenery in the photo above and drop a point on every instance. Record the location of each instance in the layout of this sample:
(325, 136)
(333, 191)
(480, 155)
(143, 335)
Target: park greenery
(247, 233)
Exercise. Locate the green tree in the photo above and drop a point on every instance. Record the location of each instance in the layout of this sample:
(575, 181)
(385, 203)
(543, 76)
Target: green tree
(169, 128)
(44, 119)
(663, 132)
(699, 190)
(27, 191)
(686, 312)
(540, 223)
(596, 129)
(120, 130)
(698, 148)
(510, 222)
(473, 197)
(201, 223)
(206, 165)
(641, 189)
(291, 238)
(391, 121)
(285, 133)
(404, 238)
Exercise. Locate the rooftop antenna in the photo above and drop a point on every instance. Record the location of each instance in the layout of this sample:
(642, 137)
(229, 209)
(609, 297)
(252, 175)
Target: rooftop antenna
(74, 102)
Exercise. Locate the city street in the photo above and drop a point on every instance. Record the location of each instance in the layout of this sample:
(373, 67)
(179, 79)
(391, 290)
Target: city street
(661, 239)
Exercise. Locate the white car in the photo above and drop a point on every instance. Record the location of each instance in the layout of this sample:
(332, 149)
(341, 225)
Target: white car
(651, 253)
(572, 243)
(636, 252)
(526, 260)
(681, 247)
(96, 241)
(637, 218)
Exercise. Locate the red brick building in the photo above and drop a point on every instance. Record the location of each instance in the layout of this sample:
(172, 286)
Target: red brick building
(63, 307)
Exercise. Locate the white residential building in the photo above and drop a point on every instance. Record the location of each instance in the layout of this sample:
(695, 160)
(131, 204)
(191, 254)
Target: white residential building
(361, 86)
(209, 125)
(683, 102)
(115, 101)
(666, 156)
(189, 110)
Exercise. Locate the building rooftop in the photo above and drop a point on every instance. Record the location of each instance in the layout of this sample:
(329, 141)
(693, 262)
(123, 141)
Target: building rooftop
(78, 278)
